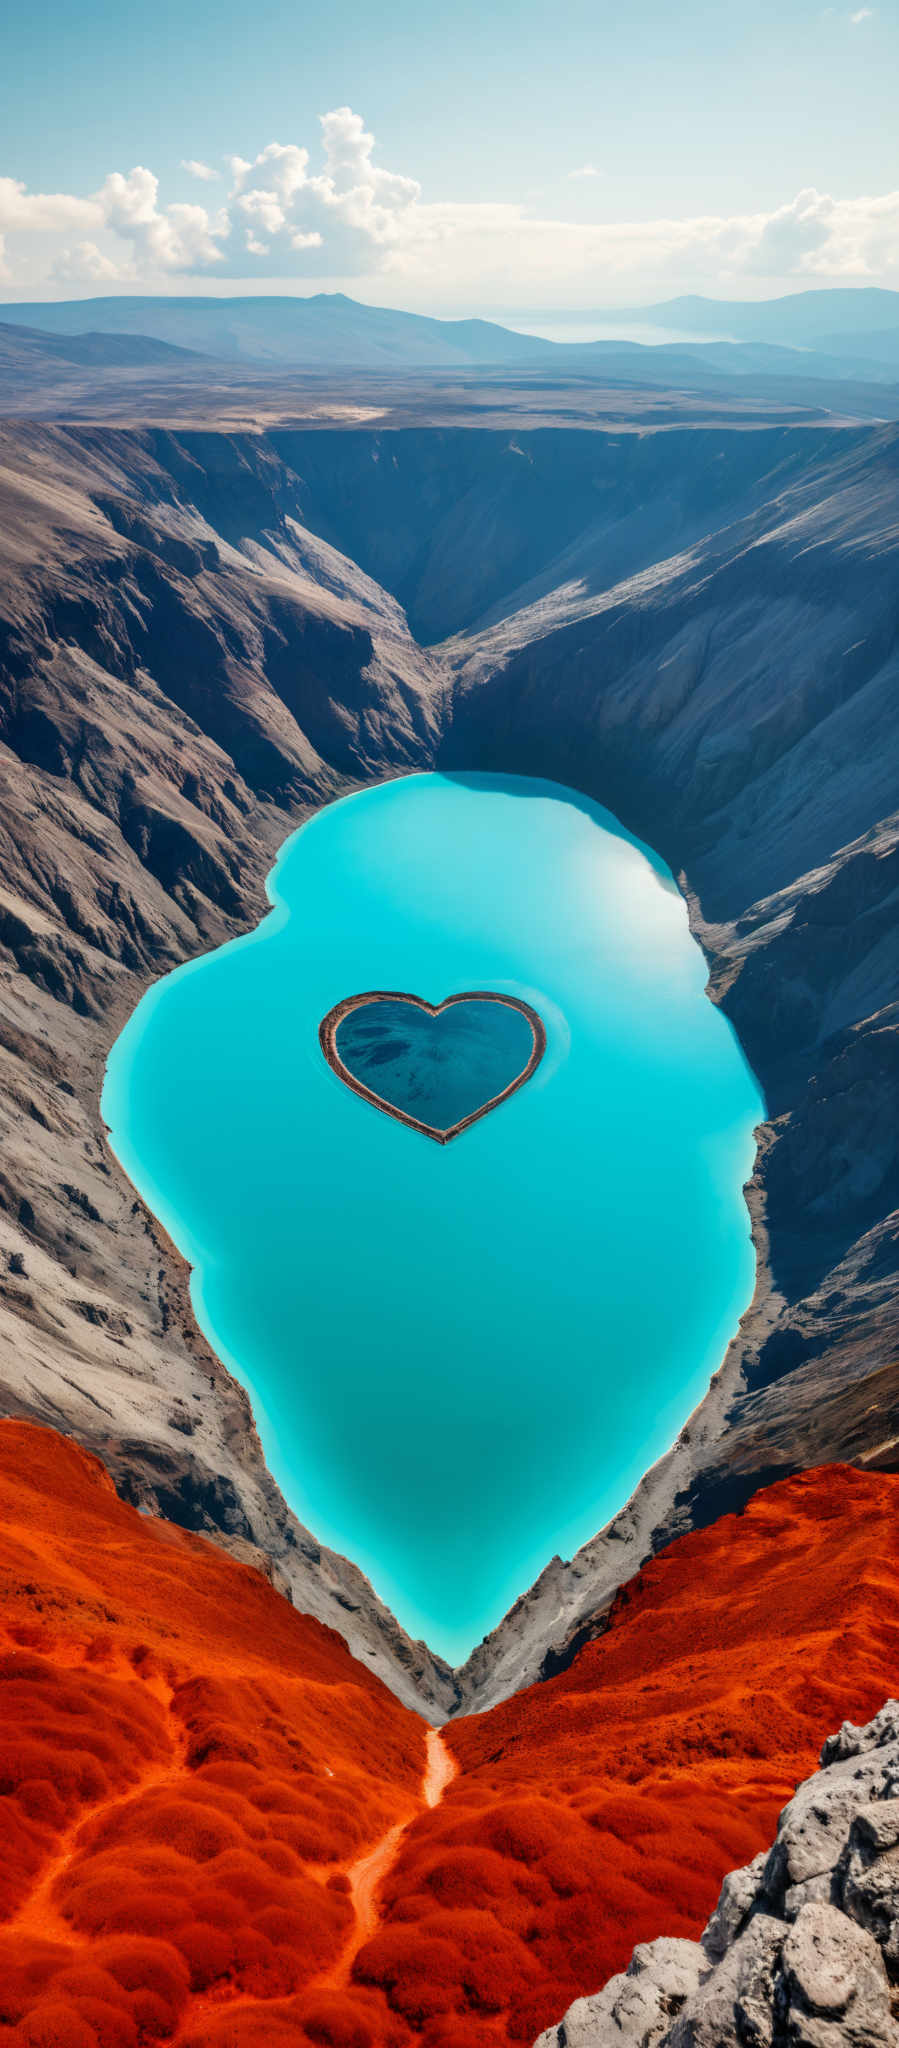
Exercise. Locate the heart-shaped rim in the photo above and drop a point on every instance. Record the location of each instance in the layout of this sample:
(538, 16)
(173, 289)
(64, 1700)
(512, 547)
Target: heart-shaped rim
(327, 1033)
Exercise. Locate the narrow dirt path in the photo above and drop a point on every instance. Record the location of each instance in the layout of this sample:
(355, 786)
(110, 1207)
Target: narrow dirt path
(441, 1769)
(367, 1875)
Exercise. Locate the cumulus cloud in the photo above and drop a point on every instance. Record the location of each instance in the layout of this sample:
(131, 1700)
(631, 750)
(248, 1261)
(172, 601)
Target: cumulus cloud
(337, 214)
(820, 237)
(199, 170)
(86, 264)
(176, 237)
(861, 14)
(42, 212)
(351, 209)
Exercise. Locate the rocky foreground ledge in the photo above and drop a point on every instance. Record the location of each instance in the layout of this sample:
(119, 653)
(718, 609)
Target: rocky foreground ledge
(803, 1946)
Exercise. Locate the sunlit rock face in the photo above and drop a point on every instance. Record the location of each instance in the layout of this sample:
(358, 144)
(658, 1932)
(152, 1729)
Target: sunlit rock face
(203, 632)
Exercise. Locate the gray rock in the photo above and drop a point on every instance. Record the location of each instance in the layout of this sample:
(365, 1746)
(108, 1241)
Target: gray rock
(815, 1825)
(813, 1891)
(803, 1946)
(638, 2006)
(834, 1987)
(739, 1892)
(851, 1741)
(869, 1871)
(735, 2001)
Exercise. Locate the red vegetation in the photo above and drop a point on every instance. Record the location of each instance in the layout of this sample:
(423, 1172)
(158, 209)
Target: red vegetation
(604, 1807)
(190, 1771)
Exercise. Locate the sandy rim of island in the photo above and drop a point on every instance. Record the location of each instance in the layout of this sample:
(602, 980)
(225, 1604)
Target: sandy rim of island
(329, 1026)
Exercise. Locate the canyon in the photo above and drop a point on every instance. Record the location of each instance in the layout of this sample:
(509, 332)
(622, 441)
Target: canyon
(206, 634)
(240, 1804)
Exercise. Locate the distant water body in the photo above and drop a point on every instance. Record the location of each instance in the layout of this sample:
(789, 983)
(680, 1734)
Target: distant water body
(589, 329)
(461, 1357)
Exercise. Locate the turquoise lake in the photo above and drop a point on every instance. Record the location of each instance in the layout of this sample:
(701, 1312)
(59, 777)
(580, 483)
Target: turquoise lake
(463, 1357)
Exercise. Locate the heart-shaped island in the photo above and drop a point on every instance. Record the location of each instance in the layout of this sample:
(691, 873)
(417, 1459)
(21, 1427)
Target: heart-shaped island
(438, 1067)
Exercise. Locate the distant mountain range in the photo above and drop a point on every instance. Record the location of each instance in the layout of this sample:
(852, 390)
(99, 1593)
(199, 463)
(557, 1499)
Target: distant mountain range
(327, 331)
(841, 334)
(29, 347)
(813, 319)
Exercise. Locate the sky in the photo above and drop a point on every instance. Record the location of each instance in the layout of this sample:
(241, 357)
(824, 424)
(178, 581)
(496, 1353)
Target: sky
(517, 157)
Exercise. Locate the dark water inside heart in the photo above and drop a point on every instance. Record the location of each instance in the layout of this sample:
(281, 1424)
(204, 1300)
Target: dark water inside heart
(437, 1069)
(461, 1357)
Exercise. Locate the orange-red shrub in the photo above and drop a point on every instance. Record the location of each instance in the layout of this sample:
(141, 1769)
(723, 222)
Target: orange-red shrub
(186, 1765)
(604, 1807)
(189, 1769)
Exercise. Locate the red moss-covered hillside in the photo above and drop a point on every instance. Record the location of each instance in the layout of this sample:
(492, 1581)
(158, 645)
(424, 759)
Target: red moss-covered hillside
(188, 1769)
(604, 1807)
(201, 1792)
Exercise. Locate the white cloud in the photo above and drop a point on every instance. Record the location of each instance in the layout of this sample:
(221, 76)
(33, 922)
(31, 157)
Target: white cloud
(585, 171)
(42, 212)
(816, 236)
(204, 172)
(351, 210)
(85, 263)
(861, 14)
(176, 237)
(341, 217)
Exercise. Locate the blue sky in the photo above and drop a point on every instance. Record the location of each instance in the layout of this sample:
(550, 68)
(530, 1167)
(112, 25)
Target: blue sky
(700, 113)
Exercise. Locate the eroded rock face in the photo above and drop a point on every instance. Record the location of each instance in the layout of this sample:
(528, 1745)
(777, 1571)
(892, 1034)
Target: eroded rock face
(804, 1944)
(723, 704)
(698, 628)
(155, 673)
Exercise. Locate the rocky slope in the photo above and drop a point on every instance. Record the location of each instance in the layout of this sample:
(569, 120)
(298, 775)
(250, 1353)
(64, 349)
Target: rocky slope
(170, 704)
(204, 633)
(734, 704)
(218, 1828)
(468, 528)
(804, 1943)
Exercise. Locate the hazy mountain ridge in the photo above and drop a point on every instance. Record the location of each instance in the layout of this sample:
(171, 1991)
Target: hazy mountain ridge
(22, 347)
(326, 328)
(825, 334)
(801, 318)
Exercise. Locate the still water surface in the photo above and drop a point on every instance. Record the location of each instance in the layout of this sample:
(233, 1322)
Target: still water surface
(461, 1357)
